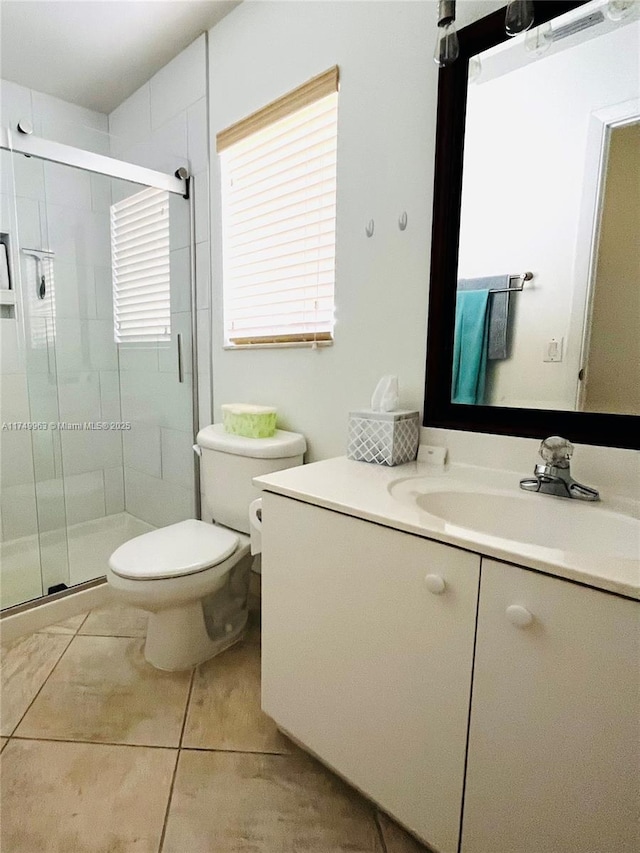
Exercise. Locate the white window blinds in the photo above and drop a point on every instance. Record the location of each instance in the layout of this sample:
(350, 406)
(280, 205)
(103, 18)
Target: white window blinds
(279, 222)
(140, 265)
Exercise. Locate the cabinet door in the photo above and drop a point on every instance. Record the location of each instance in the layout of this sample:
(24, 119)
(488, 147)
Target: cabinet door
(363, 664)
(553, 746)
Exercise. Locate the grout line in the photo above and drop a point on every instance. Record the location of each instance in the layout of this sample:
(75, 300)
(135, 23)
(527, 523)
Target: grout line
(186, 707)
(92, 742)
(376, 818)
(146, 745)
(72, 633)
(89, 612)
(222, 750)
(113, 636)
(175, 769)
(169, 798)
(71, 639)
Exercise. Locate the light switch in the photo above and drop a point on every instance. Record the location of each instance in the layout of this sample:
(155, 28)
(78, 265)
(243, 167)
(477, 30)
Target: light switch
(553, 350)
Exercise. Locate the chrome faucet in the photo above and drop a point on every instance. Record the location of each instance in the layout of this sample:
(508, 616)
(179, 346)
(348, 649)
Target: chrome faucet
(553, 477)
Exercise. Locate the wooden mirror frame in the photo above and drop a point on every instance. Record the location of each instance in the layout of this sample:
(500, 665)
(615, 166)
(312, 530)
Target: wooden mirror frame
(582, 427)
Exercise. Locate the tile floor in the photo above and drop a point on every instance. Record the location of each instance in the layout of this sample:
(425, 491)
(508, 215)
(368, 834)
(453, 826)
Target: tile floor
(101, 753)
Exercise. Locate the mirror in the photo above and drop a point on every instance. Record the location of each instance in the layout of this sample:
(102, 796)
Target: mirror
(536, 274)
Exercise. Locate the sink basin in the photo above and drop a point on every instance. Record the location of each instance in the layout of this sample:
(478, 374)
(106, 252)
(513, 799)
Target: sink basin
(543, 521)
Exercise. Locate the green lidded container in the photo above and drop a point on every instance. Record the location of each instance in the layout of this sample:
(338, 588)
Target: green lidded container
(249, 421)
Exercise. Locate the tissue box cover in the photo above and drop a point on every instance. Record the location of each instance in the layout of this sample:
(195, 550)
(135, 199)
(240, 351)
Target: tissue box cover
(249, 421)
(387, 438)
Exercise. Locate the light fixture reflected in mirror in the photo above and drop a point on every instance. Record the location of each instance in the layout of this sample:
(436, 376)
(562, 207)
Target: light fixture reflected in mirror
(617, 10)
(519, 17)
(447, 46)
(475, 69)
(539, 39)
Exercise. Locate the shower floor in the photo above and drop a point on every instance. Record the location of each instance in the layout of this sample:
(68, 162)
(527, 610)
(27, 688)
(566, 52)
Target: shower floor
(87, 546)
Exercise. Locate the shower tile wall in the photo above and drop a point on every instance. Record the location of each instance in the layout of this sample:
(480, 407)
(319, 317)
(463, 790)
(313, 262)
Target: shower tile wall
(163, 125)
(68, 371)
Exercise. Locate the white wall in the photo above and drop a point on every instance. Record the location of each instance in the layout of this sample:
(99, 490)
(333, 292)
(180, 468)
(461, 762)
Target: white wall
(524, 169)
(386, 135)
(386, 122)
(163, 125)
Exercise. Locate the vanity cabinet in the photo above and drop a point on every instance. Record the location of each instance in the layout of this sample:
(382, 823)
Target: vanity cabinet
(554, 760)
(367, 654)
(453, 693)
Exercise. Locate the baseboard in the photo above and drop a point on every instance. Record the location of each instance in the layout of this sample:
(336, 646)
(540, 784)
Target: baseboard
(27, 619)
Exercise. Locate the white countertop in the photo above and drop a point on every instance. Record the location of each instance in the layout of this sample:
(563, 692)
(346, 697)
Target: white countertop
(365, 491)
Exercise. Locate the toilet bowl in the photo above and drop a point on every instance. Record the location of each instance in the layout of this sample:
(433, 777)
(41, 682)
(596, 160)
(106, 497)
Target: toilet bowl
(177, 573)
(192, 576)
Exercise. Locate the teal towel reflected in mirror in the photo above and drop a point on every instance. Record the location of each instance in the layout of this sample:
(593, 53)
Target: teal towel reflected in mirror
(470, 345)
(499, 311)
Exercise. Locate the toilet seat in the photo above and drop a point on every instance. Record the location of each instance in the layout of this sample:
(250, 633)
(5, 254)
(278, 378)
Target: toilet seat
(175, 551)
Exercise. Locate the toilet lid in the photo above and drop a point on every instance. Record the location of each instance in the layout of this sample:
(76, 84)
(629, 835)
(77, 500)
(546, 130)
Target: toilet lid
(179, 549)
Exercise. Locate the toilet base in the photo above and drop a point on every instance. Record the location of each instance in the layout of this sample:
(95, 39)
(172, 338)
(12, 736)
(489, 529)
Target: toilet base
(177, 637)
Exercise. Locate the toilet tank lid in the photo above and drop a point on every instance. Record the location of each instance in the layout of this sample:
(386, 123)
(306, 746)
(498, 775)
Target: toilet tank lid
(281, 445)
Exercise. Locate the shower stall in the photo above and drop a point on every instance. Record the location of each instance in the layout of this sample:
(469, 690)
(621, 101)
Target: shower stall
(97, 362)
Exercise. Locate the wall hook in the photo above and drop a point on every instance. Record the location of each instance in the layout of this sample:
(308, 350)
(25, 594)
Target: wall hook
(369, 228)
(402, 220)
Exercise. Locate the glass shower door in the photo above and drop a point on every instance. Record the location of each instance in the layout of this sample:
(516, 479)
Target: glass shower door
(30, 465)
(75, 222)
(156, 374)
(125, 400)
(108, 453)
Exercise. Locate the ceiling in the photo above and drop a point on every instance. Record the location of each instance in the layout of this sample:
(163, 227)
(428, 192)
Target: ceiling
(95, 53)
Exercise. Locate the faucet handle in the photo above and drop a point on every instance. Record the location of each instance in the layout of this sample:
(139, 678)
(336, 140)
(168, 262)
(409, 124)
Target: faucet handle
(556, 451)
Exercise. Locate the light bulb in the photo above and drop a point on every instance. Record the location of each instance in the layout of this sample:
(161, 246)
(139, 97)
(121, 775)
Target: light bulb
(617, 10)
(475, 69)
(539, 40)
(519, 17)
(447, 46)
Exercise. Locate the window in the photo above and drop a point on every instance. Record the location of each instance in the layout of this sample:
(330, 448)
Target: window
(279, 218)
(140, 264)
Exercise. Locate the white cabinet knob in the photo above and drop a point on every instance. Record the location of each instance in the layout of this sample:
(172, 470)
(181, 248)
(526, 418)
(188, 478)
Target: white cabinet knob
(519, 616)
(435, 584)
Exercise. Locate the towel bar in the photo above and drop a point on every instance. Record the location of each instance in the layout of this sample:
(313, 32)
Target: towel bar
(525, 276)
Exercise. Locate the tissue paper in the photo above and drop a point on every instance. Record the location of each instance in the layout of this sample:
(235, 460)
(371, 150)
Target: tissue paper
(385, 397)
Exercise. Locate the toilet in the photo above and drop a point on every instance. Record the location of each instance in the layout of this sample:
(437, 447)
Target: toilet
(193, 577)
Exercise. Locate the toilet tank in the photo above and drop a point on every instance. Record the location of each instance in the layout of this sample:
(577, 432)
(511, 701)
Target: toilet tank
(230, 462)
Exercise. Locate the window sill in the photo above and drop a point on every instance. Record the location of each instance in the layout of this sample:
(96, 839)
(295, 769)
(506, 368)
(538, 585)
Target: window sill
(290, 345)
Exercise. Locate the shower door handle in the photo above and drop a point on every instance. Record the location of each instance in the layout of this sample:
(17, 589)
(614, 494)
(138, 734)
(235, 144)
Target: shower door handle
(46, 337)
(180, 364)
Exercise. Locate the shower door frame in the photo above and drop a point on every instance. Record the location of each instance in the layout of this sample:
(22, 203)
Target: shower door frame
(100, 164)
